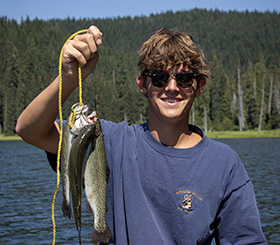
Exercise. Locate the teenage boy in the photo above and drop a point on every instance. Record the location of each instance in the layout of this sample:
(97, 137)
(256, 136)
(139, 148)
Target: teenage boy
(168, 183)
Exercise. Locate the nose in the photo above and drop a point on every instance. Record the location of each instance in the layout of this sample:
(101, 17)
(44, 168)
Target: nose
(172, 84)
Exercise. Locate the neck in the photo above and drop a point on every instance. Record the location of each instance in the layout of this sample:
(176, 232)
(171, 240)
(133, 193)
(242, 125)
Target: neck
(176, 135)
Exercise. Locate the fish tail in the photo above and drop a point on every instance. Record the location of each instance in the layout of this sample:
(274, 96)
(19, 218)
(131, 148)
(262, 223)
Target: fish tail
(89, 208)
(98, 237)
(80, 239)
(66, 209)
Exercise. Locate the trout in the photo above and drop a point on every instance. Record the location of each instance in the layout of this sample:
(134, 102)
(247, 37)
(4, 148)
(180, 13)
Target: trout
(67, 141)
(78, 157)
(81, 119)
(96, 178)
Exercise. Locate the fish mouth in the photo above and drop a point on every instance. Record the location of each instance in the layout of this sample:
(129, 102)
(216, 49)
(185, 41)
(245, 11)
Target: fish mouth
(91, 118)
(86, 119)
(82, 118)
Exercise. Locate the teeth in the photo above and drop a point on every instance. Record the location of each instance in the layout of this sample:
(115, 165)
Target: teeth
(170, 100)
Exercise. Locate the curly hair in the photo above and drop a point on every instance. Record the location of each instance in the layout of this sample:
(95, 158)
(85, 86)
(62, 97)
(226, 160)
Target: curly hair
(167, 48)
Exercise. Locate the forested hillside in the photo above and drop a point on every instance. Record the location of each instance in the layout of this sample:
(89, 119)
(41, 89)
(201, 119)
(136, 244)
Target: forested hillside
(242, 50)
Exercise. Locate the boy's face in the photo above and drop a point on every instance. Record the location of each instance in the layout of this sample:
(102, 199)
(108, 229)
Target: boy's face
(171, 104)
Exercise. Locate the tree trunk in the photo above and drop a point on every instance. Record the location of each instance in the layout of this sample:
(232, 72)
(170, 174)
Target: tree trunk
(114, 77)
(5, 113)
(141, 116)
(125, 116)
(277, 96)
(270, 92)
(233, 104)
(262, 106)
(255, 86)
(205, 119)
(240, 100)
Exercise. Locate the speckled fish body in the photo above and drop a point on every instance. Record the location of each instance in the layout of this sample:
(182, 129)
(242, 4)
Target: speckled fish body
(68, 138)
(96, 179)
(78, 157)
(81, 119)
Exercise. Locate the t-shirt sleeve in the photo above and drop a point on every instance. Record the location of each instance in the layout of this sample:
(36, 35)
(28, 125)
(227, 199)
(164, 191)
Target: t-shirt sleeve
(52, 159)
(238, 218)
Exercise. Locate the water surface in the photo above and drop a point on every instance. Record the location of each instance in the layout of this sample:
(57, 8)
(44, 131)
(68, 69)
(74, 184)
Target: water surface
(27, 184)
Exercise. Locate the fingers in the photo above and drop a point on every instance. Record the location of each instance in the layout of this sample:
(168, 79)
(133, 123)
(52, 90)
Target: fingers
(96, 33)
(83, 47)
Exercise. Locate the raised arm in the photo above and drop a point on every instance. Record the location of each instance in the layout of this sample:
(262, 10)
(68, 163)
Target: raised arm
(36, 125)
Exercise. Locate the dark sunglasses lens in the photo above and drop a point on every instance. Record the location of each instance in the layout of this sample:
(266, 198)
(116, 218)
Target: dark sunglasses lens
(184, 80)
(160, 79)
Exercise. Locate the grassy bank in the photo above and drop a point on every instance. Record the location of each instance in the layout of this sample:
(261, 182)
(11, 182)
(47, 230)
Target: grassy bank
(9, 138)
(213, 135)
(244, 134)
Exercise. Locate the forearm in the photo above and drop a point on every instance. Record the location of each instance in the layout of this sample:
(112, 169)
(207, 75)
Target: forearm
(36, 123)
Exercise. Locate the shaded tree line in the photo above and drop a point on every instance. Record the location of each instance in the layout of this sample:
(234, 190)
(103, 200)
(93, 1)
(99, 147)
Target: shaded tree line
(242, 49)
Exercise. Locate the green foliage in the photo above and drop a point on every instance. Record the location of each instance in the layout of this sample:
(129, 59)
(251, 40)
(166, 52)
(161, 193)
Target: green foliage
(29, 54)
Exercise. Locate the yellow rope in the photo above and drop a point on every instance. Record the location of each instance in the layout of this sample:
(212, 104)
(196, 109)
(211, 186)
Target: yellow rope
(72, 118)
(80, 85)
(61, 123)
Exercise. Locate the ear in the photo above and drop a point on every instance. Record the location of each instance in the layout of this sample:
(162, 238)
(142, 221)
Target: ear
(142, 85)
(201, 85)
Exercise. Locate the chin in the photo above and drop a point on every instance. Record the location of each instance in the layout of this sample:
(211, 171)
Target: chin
(173, 118)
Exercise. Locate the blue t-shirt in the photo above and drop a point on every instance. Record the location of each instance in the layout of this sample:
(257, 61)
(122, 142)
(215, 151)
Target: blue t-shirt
(163, 195)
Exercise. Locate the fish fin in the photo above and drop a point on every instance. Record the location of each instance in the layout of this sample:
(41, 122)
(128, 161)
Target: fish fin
(80, 238)
(89, 208)
(98, 237)
(108, 174)
(66, 209)
(83, 182)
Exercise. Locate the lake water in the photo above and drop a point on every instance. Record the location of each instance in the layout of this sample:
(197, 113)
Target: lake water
(27, 184)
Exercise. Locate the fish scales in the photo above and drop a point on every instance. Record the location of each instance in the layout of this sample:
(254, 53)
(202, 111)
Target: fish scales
(68, 138)
(78, 157)
(96, 179)
(81, 118)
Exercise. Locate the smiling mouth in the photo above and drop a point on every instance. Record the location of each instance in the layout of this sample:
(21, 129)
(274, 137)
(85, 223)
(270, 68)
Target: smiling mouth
(171, 100)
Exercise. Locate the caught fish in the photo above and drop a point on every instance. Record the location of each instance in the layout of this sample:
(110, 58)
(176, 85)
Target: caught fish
(77, 159)
(96, 178)
(68, 138)
(81, 118)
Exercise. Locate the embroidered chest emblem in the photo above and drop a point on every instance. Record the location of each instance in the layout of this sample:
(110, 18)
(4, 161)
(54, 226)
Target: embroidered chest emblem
(187, 200)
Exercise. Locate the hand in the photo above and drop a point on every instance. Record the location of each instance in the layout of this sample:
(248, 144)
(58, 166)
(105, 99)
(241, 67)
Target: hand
(81, 50)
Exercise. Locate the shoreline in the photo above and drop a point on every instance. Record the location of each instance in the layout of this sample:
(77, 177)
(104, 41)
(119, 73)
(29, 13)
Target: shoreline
(9, 138)
(213, 135)
(243, 134)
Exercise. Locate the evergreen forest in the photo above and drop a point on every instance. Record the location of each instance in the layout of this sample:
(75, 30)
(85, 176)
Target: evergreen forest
(242, 50)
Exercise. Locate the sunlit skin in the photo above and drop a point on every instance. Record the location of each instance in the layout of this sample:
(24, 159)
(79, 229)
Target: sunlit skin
(169, 109)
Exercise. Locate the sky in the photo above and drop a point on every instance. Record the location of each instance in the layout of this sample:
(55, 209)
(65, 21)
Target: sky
(48, 9)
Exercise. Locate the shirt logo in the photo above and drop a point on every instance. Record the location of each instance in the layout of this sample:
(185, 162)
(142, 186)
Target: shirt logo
(187, 200)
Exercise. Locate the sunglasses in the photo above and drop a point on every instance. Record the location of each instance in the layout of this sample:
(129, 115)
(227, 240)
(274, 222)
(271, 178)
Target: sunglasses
(160, 79)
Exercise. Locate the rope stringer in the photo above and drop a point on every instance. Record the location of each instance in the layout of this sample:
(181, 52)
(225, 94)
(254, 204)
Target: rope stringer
(61, 124)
